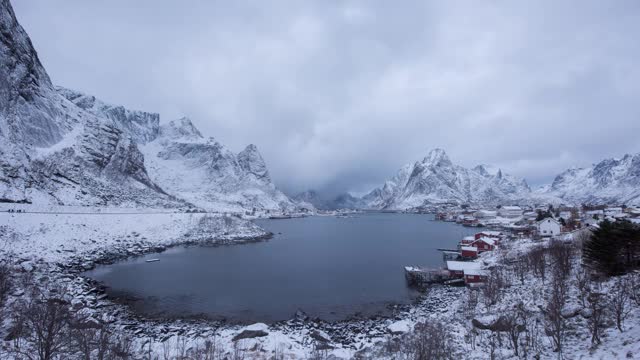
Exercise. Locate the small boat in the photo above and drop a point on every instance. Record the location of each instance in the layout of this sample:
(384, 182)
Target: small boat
(152, 260)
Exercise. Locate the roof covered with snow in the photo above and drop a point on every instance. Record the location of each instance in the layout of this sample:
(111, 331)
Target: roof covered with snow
(487, 240)
(476, 272)
(463, 265)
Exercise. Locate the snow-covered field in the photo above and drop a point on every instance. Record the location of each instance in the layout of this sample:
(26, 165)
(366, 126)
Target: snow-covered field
(71, 232)
(60, 244)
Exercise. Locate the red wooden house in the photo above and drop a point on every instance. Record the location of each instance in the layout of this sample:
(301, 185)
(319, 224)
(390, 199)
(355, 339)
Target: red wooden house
(475, 276)
(489, 234)
(457, 268)
(469, 252)
(484, 244)
(467, 240)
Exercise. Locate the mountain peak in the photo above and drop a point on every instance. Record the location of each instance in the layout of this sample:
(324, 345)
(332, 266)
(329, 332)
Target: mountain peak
(180, 128)
(437, 156)
(251, 161)
(142, 126)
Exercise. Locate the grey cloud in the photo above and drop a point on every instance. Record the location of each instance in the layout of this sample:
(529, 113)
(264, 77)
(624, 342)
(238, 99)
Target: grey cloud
(339, 94)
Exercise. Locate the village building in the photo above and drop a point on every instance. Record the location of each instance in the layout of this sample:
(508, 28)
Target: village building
(635, 212)
(548, 227)
(510, 211)
(469, 252)
(612, 210)
(475, 276)
(484, 244)
(468, 240)
(457, 268)
(485, 214)
(489, 234)
(565, 215)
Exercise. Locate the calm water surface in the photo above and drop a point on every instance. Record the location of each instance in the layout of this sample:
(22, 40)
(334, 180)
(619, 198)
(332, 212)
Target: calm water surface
(331, 268)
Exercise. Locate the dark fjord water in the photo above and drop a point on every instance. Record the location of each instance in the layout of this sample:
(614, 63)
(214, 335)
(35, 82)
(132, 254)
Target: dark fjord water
(331, 268)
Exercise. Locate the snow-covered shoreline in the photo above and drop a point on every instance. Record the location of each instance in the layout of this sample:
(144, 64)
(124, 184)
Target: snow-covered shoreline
(60, 243)
(56, 248)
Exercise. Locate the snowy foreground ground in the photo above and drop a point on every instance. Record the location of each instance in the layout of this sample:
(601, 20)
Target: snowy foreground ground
(57, 244)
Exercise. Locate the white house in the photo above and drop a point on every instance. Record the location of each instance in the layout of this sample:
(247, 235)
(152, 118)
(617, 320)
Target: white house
(548, 227)
(566, 215)
(510, 211)
(486, 214)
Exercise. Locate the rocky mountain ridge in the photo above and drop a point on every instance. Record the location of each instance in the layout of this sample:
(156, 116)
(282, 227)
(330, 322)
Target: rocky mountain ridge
(611, 181)
(60, 146)
(435, 179)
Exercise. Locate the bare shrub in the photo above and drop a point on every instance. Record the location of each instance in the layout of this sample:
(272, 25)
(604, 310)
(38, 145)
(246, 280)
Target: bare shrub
(91, 341)
(122, 348)
(211, 349)
(634, 287)
(620, 301)
(515, 323)
(555, 324)
(579, 238)
(429, 340)
(561, 254)
(520, 268)
(595, 322)
(41, 327)
(583, 281)
(472, 301)
(319, 351)
(532, 343)
(5, 283)
(492, 289)
(238, 353)
(537, 261)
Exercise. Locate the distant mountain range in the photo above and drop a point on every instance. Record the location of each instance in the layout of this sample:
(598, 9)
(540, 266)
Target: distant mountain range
(60, 146)
(611, 181)
(323, 202)
(436, 180)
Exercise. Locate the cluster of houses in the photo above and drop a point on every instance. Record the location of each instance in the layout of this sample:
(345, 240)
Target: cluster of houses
(537, 221)
(469, 249)
(460, 267)
(508, 221)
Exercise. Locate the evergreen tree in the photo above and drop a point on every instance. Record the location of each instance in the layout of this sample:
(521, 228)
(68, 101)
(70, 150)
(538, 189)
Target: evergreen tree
(613, 248)
(543, 215)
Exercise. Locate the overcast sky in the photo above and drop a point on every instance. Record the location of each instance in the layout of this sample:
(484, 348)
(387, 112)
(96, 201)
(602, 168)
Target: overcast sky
(340, 94)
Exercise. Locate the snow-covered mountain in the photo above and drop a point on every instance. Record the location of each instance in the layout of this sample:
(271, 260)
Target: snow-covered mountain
(60, 146)
(611, 181)
(209, 175)
(435, 179)
(324, 202)
(141, 126)
(53, 151)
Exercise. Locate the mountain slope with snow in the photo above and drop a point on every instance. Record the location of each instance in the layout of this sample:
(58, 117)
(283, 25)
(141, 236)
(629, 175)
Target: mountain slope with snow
(60, 146)
(207, 174)
(52, 151)
(435, 179)
(611, 181)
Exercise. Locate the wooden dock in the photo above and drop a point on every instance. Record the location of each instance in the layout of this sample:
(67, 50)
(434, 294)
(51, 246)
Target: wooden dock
(420, 276)
(450, 254)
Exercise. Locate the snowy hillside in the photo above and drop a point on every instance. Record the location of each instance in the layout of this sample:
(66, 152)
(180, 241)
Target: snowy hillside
(60, 146)
(54, 152)
(209, 175)
(611, 181)
(435, 179)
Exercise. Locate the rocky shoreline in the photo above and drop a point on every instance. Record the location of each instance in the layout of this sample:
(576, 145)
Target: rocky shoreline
(91, 298)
